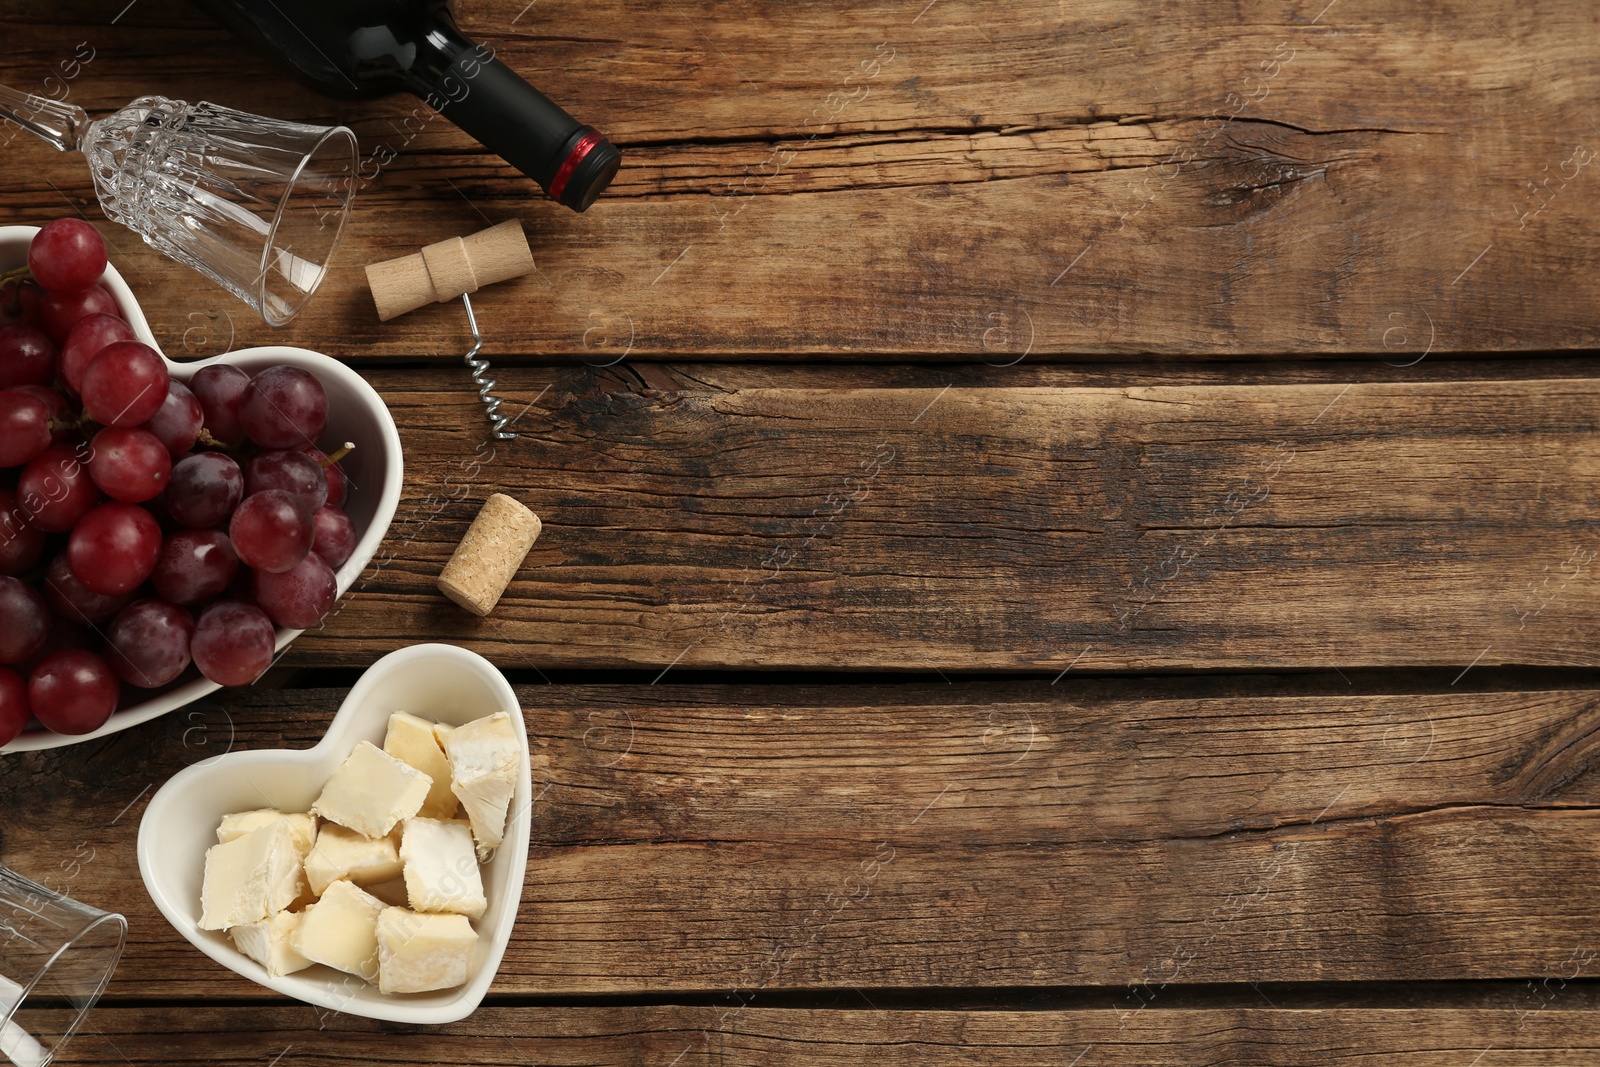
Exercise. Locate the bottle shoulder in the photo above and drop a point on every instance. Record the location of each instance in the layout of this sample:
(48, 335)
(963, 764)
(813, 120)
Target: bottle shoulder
(347, 48)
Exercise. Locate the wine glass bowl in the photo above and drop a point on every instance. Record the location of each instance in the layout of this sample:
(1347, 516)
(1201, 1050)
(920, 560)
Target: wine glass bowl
(56, 957)
(256, 204)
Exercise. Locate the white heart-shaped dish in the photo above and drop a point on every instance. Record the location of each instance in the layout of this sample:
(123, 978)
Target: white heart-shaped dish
(438, 682)
(355, 413)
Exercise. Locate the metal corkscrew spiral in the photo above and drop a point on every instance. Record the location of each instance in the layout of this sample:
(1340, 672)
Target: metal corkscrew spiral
(480, 377)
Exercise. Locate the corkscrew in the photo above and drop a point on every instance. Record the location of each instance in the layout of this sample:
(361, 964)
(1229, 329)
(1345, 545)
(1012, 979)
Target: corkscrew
(480, 377)
(447, 269)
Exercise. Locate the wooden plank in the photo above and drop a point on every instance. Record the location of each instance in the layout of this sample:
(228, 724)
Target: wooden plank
(696, 1036)
(706, 838)
(1018, 181)
(968, 528)
(672, 377)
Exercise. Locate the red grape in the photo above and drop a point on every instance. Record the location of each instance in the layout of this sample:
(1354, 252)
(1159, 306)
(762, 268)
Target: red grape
(87, 338)
(271, 531)
(75, 602)
(21, 544)
(293, 472)
(335, 536)
(195, 565)
(25, 428)
(60, 312)
(26, 357)
(24, 621)
(221, 390)
(177, 422)
(148, 643)
(114, 548)
(56, 490)
(125, 384)
(129, 465)
(14, 708)
(300, 597)
(73, 691)
(285, 408)
(67, 255)
(204, 490)
(338, 487)
(232, 642)
(58, 407)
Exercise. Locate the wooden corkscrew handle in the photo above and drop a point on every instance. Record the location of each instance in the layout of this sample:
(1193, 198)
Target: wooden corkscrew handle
(447, 269)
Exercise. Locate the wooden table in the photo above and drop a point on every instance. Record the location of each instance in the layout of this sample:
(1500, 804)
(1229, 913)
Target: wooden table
(1070, 533)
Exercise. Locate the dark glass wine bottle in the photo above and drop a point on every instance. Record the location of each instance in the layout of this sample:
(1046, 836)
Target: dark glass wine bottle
(370, 47)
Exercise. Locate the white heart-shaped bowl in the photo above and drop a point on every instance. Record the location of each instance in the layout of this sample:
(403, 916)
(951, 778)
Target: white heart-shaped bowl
(442, 683)
(355, 413)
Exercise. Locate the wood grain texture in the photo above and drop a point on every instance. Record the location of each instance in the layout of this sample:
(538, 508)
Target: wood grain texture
(1027, 180)
(979, 835)
(763, 1037)
(695, 525)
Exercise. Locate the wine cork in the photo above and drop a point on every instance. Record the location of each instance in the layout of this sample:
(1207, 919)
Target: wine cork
(446, 269)
(486, 560)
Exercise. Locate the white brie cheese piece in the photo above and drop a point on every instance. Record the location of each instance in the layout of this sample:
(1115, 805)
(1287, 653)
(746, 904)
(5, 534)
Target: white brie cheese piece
(484, 756)
(341, 853)
(341, 930)
(441, 867)
(411, 740)
(251, 878)
(268, 942)
(419, 953)
(238, 824)
(371, 791)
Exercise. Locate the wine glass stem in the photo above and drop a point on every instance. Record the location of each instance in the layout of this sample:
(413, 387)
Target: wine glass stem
(53, 121)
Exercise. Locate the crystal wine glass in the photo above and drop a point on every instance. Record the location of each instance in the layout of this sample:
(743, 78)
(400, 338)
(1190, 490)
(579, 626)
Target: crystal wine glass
(255, 204)
(56, 956)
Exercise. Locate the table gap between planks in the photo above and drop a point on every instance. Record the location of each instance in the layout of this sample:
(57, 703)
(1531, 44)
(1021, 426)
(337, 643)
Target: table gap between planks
(1106, 493)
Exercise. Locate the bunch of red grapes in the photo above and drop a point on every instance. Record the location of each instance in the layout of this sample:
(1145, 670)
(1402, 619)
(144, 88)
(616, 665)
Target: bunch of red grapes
(145, 524)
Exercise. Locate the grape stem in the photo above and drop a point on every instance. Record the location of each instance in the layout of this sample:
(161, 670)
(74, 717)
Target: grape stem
(349, 447)
(81, 422)
(206, 439)
(15, 274)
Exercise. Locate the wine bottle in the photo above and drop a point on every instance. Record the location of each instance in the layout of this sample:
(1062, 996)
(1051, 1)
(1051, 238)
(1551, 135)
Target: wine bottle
(371, 47)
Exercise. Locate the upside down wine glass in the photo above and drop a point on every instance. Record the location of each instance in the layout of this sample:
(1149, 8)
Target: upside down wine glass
(255, 204)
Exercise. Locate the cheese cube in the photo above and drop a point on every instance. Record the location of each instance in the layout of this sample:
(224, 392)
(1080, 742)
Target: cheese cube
(419, 953)
(341, 853)
(237, 825)
(371, 791)
(442, 867)
(251, 878)
(268, 942)
(303, 827)
(411, 740)
(484, 758)
(341, 930)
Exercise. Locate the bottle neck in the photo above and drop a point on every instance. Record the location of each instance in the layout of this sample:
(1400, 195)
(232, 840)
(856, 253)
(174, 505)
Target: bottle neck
(465, 83)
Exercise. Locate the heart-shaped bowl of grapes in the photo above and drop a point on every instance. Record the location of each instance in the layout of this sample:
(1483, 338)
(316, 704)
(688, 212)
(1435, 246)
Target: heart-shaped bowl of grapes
(166, 528)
